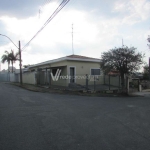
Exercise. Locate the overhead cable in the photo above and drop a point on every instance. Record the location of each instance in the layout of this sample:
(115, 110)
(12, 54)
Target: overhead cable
(62, 4)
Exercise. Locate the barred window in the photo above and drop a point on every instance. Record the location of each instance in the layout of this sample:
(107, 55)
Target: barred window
(95, 71)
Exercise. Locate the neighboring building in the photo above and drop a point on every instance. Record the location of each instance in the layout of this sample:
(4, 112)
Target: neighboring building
(138, 75)
(70, 69)
(8, 76)
(114, 73)
(10, 70)
(4, 71)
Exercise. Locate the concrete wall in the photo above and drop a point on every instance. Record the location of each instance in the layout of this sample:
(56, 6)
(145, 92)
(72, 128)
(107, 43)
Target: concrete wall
(28, 77)
(9, 77)
(4, 77)
(12, 77)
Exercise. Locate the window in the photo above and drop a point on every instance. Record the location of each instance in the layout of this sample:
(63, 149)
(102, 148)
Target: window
(54, 70)
(95, 71)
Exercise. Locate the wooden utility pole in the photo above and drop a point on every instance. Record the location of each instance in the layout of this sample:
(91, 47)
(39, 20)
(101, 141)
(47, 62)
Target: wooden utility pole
(20, 60)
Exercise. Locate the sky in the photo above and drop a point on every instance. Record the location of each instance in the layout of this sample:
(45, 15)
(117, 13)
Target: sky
(98, 26)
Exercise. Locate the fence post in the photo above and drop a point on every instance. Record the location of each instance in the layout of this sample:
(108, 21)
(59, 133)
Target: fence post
(45, 77)
(36, 77)
(109, 82)
(50, 78)
(86, 82)
(119, 81)
(104, 80)
(94, 83)
(127, 84)
(139, 88)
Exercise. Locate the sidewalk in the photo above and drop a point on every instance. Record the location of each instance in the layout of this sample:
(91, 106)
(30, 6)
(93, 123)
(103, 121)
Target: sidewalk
(66, 91)
(145, 93)
(45, 89)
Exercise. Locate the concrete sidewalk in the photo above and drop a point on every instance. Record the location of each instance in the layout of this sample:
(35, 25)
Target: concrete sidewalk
(145, 93)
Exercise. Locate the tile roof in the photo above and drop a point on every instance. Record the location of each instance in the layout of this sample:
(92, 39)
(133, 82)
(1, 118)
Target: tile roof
(70, 57)
(79, 56)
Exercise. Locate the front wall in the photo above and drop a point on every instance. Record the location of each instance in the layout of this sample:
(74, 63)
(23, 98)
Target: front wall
(28, 77)
(83, 68)
(61, 65)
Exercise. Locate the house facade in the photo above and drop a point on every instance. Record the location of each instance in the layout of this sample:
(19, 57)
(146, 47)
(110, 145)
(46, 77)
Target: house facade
(72, 69)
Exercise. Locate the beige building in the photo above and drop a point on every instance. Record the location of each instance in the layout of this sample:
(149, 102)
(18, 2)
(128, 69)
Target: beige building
(63, 71)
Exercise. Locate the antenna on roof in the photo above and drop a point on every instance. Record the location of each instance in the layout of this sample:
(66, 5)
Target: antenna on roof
(122, 43)
(72, 40)
(39, 13)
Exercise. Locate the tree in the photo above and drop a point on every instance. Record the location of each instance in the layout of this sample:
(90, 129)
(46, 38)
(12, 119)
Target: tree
(26, 66)
(13, 57)
(6, 58)
(10, 57)
(125, 60)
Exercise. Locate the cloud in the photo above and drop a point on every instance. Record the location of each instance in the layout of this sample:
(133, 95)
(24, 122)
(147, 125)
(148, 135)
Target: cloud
(97, 27)
(19, 9)
(132, 11)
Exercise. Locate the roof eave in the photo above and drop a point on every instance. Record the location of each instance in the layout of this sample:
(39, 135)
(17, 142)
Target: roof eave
(64, 58)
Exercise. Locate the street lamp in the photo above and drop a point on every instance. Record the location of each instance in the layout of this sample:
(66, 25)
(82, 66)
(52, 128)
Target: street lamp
(19, 48)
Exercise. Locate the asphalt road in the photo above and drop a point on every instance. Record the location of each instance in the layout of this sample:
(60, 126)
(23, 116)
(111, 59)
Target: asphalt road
(43, 121)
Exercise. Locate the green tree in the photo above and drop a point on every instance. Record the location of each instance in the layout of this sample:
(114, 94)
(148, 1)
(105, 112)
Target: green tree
(125, 60)
(6, 58)
(13, 57)
(26, 66)
(10, 58)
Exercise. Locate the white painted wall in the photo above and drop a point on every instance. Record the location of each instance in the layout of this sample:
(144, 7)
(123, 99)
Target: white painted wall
(29, 77)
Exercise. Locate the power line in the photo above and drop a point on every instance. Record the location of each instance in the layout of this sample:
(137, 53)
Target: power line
(62, 4)
(42, 7)
(45, 3)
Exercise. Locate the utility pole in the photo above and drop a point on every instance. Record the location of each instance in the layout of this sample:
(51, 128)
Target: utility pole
(20, 63)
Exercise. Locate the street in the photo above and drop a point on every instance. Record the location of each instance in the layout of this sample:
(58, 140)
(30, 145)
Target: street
(42, 121)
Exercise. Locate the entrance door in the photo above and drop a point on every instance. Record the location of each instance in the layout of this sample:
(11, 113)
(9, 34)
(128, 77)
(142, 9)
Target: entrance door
(72, 75)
